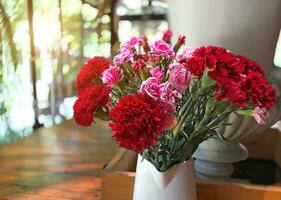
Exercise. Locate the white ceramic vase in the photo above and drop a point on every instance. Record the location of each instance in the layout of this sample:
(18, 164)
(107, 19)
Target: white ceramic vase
(247, 27)
(178, 183)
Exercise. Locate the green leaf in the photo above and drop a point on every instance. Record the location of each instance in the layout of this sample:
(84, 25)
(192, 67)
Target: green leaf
(3, 109)
(222, 105)
(247, 112)
(207, 81)
(144, 75)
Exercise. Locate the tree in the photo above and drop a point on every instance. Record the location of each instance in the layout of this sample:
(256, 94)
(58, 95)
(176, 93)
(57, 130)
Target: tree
(32, 61)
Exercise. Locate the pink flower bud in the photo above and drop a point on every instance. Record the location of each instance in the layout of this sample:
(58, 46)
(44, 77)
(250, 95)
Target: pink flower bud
(185, 54)
(112, 75)
(167, 36)
(179, 76)
(260, 115)
(153, 57)
(181, 40)
(169, 108)
(143, 39)
(170, 122)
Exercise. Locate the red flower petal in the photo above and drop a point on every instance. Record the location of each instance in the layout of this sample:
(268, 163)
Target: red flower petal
(91, 73)
(90, 99)
(138, 119)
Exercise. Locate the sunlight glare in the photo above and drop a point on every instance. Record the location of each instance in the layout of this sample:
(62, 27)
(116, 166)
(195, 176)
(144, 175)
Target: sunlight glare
(45, 34)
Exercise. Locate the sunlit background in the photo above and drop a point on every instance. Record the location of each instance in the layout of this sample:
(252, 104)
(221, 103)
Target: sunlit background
(66, 34)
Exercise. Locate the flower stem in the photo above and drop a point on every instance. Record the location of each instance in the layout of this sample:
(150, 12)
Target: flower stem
(183, 114)
(119, 89)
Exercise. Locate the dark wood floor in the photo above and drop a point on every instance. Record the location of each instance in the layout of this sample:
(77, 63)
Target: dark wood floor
(62, 162)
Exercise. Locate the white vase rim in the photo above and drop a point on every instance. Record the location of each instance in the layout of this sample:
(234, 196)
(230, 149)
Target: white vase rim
(189, 161)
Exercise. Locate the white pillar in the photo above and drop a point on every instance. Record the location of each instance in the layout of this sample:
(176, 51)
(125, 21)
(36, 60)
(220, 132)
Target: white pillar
(248, 27)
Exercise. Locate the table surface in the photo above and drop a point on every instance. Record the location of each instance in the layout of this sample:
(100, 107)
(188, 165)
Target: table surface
(63, 162)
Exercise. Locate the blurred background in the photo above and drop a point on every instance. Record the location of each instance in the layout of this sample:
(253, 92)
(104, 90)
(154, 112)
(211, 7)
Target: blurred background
(43, 44)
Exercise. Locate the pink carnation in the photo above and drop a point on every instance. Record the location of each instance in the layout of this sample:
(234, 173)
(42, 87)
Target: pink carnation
(185, 54)
(162, 48)
(112, 75)
(260, 115)
(168, 95)
(169, 108)
(124, 56)
(179, 76)
(153, 57)
(140, 63)
(163, 92)
(157, 72)
(130, 44)
(150, 87)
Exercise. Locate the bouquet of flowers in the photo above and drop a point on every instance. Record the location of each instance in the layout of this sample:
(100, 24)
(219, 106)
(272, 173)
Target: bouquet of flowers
(163, 101)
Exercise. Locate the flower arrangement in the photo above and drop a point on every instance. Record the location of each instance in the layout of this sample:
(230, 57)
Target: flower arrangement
(163, 101)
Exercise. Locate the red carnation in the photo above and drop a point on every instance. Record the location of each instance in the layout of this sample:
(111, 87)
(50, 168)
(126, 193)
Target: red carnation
(259, 90)
(90, 99)
(82, 114)
(197, 62)
(231, 92)
(138, 120)
(211, 57)
(91, 72)
(226, 68)
(229, 72)
(249, 65)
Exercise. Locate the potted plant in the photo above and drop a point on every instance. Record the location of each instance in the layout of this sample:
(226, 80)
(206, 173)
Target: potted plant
(163, 101)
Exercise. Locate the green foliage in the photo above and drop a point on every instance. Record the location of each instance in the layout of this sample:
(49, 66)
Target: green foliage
(199, 115)
(9, 16)
(7, 49)
(7, 35)
(3, 108)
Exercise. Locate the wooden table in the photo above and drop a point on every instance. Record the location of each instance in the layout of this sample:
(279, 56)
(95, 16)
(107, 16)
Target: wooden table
(62, 162)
